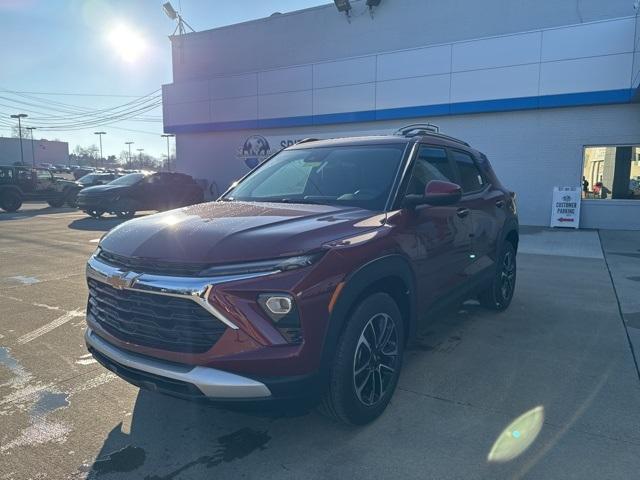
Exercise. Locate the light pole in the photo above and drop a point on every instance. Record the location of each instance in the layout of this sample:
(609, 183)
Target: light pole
(140, 150)
(19, 116)
(168, 136)
(100, 135)
(33, 155)
(129, 144)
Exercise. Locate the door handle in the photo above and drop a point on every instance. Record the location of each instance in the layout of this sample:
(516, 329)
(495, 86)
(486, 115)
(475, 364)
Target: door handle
(463, 212)
(500, 203)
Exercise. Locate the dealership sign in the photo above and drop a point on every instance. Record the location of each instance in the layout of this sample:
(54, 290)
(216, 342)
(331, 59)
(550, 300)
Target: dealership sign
(565, 209)
(255, 148)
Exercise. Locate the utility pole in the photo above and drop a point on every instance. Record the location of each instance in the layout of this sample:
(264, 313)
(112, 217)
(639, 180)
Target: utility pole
(100, 135)
(33, 154)
(20, 116)
(140, 150)
(168, 136)
(129, 144)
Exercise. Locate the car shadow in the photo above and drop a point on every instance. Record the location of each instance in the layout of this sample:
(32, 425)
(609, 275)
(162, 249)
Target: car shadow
(171, 438)
(30, 213)
(104, 223)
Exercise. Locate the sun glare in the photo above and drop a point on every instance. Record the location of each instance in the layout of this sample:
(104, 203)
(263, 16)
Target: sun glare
(128, 44)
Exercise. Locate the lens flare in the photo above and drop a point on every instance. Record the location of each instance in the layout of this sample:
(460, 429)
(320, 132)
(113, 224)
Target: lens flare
(518, 436)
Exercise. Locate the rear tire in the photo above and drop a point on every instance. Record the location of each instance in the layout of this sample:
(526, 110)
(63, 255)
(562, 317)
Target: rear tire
(367, 362)
(56, 202)
(10, 201)
(498, 295)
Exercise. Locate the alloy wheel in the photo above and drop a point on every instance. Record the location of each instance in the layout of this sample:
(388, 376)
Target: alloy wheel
(376, 358)
(507, 276)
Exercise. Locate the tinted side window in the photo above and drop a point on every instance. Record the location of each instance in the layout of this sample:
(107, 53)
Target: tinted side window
(432, 164)
(44, 175)
(470, 177)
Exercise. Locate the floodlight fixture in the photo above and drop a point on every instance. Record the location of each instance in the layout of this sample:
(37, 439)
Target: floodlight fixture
(174, 15)
(169, 10)
(343, 5)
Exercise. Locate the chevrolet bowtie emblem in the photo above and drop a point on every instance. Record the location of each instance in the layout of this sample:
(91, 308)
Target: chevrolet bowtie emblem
(122, 280)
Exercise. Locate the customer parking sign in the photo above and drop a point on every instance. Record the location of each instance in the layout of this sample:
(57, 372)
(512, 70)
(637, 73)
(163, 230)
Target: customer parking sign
(565, 208)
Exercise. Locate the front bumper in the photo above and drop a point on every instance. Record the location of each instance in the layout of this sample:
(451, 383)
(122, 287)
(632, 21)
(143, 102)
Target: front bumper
(174, 378)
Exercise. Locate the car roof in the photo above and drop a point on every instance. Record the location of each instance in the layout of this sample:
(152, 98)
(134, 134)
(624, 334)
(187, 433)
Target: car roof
(344, 141)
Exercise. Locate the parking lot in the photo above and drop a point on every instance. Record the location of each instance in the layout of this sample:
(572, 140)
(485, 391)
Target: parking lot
(548, 389)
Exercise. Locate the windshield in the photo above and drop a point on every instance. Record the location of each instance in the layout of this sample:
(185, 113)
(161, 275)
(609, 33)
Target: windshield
(87, 178)
(130, 179)
(359, 176)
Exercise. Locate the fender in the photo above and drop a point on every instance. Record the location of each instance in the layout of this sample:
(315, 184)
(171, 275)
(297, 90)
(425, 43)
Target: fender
(510, 225)
(355, 285)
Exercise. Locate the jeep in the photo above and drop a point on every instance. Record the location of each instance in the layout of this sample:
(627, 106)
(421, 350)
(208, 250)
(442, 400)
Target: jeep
(19, 183)
(309, 276)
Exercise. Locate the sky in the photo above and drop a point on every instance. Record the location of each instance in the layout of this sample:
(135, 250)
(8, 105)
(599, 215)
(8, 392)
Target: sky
(101, 54)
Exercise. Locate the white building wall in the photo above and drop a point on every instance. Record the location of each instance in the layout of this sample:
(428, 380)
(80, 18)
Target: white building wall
(321, 33)
(45, 151)
(595, 59)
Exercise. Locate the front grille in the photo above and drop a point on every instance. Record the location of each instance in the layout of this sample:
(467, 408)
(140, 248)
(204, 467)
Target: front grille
(150, 320)
(154, 267)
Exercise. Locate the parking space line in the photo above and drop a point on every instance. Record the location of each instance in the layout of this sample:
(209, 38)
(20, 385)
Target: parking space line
(28, 337)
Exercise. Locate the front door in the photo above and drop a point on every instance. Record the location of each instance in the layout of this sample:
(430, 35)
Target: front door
(442, 232)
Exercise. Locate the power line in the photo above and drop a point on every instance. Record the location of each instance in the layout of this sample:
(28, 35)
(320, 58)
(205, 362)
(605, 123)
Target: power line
(78, 94)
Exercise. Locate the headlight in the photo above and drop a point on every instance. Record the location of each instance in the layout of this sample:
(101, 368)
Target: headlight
(278, 265)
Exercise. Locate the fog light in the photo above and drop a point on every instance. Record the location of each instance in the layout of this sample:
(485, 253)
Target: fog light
(279, 305)
(283, 312)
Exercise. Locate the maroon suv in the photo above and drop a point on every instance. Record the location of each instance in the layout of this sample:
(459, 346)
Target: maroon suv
(308, 276)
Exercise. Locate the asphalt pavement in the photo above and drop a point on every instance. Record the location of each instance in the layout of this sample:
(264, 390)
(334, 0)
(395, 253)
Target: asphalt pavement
(546, 390)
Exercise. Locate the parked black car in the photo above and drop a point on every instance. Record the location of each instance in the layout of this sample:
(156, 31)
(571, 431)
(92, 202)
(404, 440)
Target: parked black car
(140, 191)
(89, 180)
(18, 183)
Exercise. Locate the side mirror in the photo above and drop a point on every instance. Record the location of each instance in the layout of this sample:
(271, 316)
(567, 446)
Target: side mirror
(436, 193)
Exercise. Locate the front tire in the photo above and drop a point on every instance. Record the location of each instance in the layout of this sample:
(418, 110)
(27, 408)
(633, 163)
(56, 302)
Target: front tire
(498, 295)
(125, 208)
(367, 364)
(94, 213)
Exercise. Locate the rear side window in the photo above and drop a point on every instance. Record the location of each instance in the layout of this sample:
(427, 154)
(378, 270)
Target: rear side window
(6, 175)
(470, 177)
(432, 164)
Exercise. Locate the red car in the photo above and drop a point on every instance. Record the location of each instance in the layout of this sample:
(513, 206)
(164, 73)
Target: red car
(308, 277)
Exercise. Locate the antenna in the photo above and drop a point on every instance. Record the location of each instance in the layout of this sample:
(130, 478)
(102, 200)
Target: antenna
(173, 15)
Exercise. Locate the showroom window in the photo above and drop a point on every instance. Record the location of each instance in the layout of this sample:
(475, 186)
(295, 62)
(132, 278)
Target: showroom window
(611, 172)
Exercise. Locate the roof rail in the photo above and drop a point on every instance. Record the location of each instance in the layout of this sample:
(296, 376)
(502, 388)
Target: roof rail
(305, 140)
(416, 129)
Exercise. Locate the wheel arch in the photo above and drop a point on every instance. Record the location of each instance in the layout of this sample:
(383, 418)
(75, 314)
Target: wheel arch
(391, 274)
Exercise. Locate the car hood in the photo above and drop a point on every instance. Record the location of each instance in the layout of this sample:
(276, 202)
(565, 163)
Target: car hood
(98, 189)
(224, 232)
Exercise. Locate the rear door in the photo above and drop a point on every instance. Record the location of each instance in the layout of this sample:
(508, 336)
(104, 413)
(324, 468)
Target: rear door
(45, 184)
(442, 233)
(481, 202)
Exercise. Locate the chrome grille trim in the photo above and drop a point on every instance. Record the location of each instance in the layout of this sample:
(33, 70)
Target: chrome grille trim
(196, 289)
